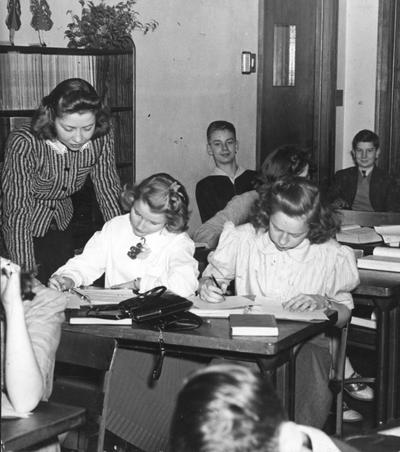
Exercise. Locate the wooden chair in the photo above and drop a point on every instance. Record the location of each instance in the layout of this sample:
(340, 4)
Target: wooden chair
(364, 218)
(47, 421)
(84, 365)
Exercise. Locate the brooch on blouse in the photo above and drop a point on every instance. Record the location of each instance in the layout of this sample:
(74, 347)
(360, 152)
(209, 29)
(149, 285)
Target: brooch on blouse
(135, 250)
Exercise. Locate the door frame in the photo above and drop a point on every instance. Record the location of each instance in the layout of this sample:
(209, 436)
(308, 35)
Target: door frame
(325, 87)
(387, 111)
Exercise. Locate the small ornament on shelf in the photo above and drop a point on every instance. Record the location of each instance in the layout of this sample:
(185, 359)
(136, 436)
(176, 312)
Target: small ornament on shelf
(13, 20)
(41, 20)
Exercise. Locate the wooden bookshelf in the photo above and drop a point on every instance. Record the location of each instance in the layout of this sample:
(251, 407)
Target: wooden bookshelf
(27, 74)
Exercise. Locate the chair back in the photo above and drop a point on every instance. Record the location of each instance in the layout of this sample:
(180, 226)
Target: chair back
(369, 219)
(84, 364)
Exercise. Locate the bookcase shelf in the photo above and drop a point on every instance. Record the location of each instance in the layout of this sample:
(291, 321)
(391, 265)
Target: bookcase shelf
(27, 74)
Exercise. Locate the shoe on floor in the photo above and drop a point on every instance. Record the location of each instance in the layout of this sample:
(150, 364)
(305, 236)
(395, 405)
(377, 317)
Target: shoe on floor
(350, 415)
(359, 391)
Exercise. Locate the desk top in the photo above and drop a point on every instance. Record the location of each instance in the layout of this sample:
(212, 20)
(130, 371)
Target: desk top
(212, 335)
(47, 421)
(376, 283)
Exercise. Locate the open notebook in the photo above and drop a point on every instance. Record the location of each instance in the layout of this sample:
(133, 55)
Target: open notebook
(260, 305)
(96, 296)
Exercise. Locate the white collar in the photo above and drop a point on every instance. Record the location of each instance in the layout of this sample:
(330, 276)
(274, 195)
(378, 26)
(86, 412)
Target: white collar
(61, 149)
(219, 172)
(367, 171)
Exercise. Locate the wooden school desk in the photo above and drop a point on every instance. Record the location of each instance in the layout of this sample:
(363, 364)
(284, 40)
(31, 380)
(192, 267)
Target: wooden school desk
(382, 290)
(212, 340)
(47, 421)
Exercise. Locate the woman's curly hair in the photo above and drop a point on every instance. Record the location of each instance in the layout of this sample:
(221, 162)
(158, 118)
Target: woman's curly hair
(284, 161)
(296, 197)
(163, 194)
(73, 95)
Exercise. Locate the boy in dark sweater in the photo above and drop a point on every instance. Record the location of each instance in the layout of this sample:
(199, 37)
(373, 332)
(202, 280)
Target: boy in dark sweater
(228, 178)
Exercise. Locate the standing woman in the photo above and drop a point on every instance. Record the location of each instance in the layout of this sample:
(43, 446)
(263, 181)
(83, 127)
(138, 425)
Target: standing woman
(46, 162)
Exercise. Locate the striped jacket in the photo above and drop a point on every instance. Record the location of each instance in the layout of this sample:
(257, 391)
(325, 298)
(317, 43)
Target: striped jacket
(38, 180)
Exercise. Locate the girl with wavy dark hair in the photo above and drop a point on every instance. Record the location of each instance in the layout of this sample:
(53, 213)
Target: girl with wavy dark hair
(143, 249)
(46, 162)
(288, 252)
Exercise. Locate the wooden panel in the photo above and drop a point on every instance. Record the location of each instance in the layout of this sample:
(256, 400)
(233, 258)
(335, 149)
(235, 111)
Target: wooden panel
(364, 218)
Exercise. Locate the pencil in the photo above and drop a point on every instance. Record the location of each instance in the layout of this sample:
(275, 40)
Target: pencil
(216, 283)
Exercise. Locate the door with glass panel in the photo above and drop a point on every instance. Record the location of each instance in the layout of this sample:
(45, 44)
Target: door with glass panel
(297, 79)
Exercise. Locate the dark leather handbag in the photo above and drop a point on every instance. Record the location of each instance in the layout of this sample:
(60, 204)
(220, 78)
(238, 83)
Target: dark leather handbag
(157, 308)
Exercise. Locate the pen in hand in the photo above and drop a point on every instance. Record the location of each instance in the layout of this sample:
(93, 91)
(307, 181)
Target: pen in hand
(217, 285)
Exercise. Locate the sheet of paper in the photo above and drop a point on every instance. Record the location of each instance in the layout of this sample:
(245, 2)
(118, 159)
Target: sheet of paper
(231, 305)
(269, 305)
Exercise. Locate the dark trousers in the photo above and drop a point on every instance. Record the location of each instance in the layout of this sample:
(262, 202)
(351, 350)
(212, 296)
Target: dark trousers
(52, 251)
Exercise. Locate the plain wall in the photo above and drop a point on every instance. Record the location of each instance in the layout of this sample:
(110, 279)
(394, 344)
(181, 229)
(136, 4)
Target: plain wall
(187, 75)
(357, 55)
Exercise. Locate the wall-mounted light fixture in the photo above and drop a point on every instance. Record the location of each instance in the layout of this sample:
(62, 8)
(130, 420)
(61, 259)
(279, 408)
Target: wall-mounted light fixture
(248, 62)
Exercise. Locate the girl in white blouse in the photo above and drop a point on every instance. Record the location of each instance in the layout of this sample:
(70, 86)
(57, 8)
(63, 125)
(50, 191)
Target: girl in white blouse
(143, 249)
(288, 252)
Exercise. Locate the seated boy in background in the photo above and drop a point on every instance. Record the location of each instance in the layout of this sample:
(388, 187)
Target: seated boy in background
(228, 178)
(365, 186)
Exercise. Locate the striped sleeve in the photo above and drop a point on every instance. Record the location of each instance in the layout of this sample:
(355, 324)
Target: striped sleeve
(18, 202)
(105, 178)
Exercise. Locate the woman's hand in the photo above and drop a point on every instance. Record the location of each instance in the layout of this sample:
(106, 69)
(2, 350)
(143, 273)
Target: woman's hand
(208, 291)
(61, 283)
(10, 283)
(134, 285)
(306, 302)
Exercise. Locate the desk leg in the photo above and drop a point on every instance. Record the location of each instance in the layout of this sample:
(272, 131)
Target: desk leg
(393, 361)
(382, 361)
(292, 382)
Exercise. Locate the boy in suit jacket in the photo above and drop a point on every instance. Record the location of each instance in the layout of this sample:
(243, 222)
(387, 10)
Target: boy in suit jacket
(365, 186)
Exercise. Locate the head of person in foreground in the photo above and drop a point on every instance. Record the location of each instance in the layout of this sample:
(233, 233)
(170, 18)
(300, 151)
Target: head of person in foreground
(229, 408)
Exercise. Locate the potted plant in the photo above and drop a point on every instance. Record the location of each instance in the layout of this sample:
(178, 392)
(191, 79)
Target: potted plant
(103, 26)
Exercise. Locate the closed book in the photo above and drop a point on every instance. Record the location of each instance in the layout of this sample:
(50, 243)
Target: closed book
(253, 325)
(85, 316)
(361, 321)
(385, 259)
